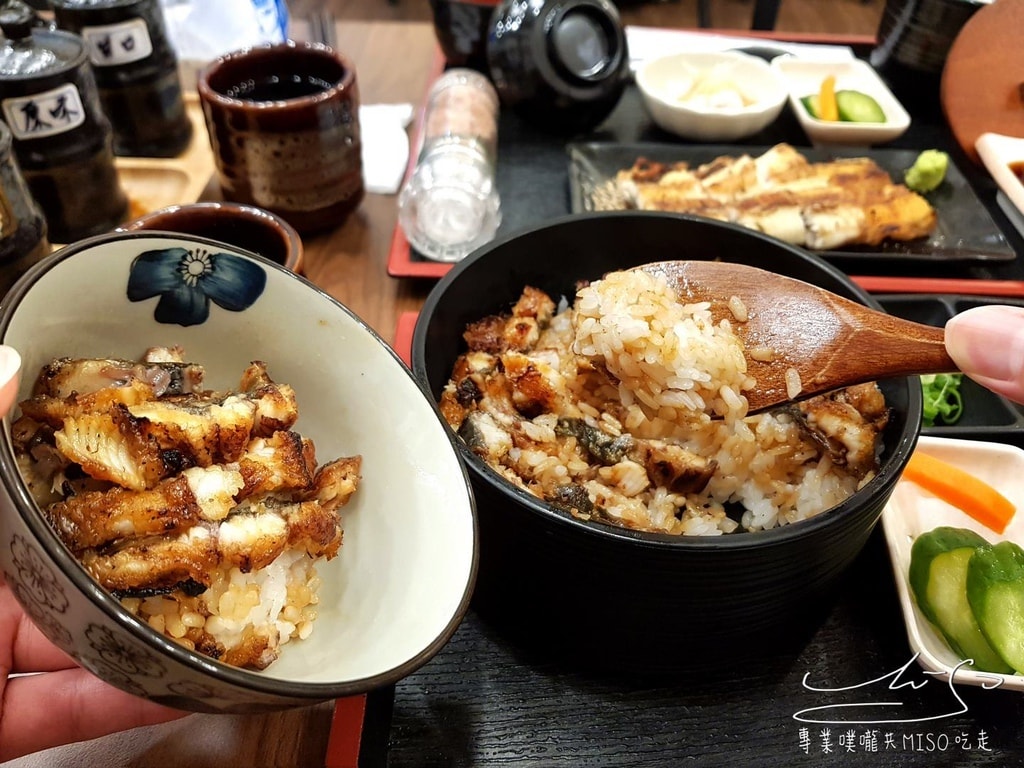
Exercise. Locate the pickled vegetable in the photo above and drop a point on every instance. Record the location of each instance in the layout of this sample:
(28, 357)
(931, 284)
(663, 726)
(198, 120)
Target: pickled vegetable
(995, 592)
(939, 564)
(850, 107)
(968, 493)
(811, 104)
(828, 109)
(857, 107)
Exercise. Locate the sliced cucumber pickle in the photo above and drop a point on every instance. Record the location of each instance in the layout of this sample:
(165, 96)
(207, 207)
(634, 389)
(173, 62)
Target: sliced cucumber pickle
(939, 564)
(857, 107)
(995, 591)
(811, 104)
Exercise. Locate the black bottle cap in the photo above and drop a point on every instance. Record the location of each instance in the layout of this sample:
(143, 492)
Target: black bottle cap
(17, 20)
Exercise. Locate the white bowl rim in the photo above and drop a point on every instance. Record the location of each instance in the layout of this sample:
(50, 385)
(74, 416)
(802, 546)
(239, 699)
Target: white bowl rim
(30, 514)
(758, 107)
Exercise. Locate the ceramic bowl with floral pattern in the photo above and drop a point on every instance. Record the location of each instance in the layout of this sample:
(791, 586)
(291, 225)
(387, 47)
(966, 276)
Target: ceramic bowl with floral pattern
(401, 581)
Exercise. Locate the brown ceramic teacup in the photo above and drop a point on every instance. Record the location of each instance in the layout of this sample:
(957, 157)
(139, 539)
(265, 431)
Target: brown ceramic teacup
(283, 121)
(244, 226)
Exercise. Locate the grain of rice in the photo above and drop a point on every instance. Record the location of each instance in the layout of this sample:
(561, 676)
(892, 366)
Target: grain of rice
(794, 386)
(738, 308)
(733, 401)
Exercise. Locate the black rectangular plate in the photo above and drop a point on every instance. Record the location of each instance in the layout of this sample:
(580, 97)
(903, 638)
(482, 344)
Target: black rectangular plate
(965, 230)
(986, 416)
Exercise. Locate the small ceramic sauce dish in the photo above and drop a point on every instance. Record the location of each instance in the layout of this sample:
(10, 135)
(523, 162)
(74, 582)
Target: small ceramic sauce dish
(243, 226)
(804, 78)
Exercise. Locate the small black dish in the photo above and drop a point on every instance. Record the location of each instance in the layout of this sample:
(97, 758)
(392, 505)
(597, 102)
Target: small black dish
(986, 415)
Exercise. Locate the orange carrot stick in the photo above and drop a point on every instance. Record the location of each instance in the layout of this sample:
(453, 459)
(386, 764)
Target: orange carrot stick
(963, 490)
(828, 108)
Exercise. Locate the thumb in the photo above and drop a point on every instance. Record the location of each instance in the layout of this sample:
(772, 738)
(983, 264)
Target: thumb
(10, 364)
(987, 344)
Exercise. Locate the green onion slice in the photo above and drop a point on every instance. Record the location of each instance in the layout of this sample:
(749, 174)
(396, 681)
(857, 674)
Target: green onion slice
(943, 402)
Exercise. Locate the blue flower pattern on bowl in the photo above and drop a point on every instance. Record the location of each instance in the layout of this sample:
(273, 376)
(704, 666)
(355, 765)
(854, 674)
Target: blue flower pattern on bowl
(188, 279)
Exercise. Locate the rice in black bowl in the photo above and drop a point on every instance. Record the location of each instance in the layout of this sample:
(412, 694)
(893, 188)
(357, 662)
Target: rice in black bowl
(586, 590)
(605, 408)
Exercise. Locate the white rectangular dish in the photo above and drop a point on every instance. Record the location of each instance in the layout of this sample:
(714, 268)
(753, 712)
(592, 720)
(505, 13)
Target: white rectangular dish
(912, 511)
(804, 78)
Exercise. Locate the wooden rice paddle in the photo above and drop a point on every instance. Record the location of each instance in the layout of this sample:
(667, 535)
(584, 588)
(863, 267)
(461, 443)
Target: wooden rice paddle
(831, 342)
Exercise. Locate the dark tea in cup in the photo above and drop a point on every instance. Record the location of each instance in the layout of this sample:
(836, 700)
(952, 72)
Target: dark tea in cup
(278, 87)
(283, 122)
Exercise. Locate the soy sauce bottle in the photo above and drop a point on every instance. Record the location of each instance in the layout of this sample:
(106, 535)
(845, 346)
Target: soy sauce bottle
(136, 71)
(23, 238)
(61, 138)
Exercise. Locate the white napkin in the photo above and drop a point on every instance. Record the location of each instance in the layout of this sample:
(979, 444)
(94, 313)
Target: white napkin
(385, 145)
(648, 42)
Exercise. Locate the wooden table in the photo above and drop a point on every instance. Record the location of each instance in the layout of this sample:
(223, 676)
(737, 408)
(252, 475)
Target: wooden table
(393, 63)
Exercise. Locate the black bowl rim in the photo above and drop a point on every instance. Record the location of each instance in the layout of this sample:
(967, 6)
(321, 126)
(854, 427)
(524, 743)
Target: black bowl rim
(885, 479)
(288, 692)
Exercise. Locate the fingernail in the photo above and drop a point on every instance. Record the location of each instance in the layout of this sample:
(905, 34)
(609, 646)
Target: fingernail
(988, 341)
(10, 363)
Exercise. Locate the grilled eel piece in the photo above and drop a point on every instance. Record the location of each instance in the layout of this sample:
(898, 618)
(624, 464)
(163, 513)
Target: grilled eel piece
(283, 462)
(847, 423)
(250, 538)
(67, 376)
(124, 434)
(847, 201)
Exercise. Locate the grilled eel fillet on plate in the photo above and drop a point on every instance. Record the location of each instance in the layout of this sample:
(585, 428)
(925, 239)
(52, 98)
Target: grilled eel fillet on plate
(823, 206)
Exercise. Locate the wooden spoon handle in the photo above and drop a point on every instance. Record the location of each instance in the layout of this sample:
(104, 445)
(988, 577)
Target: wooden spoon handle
(877, 345)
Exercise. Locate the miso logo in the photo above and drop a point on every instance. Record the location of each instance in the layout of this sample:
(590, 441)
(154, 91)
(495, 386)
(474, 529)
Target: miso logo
(111, 45)
(44, 114)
